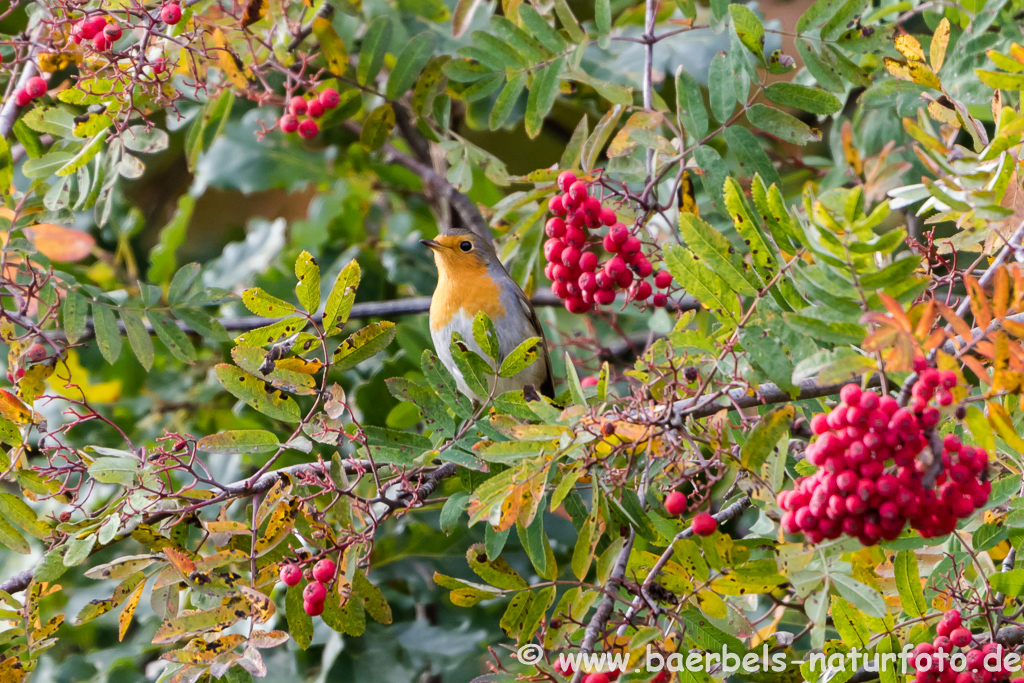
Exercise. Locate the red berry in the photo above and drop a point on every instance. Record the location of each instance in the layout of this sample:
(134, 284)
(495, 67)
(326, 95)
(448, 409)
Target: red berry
(615, 267)
(590, 381)
(641, 291)
(308, 129)
(597, 678)
(555, 227)
(36, 87)
(575, 237)
(288, 123)
(947, 379)
(703, 524)
(662, 677)
(323, 571)
(555, 205)
(850, 394)
(604, 297)
(329, 98)
(578, 191)
(643, 267)
(565, 180)
(961, 637)
(577, 305)
(313, 609)
(953, 618)
(291, 575)
(158, 65)
(675, 503)
(297, 105)
(660, 300)
(112, 31)
(607, 216)
(588, 261)
(171, 14)
(663, 279)
(88, 29)
(101, 42)
(21, 97)
(314, 592)
(315, 109)
(36, 353)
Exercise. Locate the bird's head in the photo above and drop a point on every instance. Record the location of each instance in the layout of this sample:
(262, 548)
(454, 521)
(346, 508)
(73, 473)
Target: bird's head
(461, 251)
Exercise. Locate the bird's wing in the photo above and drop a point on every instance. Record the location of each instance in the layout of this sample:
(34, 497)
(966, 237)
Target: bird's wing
(548, 385)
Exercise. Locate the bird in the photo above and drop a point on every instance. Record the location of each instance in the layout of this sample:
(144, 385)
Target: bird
(471, 279)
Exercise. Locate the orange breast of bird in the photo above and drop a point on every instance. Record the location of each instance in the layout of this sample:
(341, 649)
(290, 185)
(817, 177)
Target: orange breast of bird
(468, 288)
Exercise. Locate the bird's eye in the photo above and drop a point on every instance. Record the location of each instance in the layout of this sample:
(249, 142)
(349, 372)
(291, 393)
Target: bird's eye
(466, 245)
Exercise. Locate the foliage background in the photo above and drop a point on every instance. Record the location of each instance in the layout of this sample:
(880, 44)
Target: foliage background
(197, 179)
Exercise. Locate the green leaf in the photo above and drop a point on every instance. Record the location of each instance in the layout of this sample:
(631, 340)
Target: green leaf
(898, 271)
(1009, 583)
(748, 29)
(239, 441)
(374, 602)
(182, 282)
(782, 125)
(300, 624)
(542, 96)
(341, 298)
(539, 27)
(690, 104)
(486, 336)
(409, 63)
(76, 311)
(750, 152)
(603, 16)
(569, 23)
(521, 357)
(497, 572)
(372, 51)
(257, 394)
(308, 289)
(838, 22)
(721, 93)
(864, 597)
(6, 167)
(763, 438)
(826, 76)
(702, 283)
(807, 98)
(599, 138)
(714, 250)
(162, 262)
(206, 127)
(849, 622)
(108, 335)
(17, 511)
(363, 344)
(506, 101)
(114, 470)
(908, 584)
(172, 336)
(84, 155)
(394, 446)
(377, 127)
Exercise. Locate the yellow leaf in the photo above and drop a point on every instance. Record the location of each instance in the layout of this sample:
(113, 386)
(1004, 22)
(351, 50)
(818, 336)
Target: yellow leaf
(922, 74)
(233, 67)
(1001, 422)
(13, 409)
(909, 47)
(101, 392)
(331, 45)
(124, 619)
(898, 69)
(12, 670)
(939, 43)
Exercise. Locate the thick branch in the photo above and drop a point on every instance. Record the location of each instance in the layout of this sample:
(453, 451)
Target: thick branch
(9, 112)
(604, 610)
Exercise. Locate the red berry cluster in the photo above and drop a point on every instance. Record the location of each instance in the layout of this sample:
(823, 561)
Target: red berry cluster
(572, 261)
(934, 662)
(314, 108)
(870, 482)
(97, 30)
(314, 595)
(33, 90)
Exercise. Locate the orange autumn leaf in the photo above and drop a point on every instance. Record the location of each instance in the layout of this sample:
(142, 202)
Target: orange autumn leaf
(55, 242)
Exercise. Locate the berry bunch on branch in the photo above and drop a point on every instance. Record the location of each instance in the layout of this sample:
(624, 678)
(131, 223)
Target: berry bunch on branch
(882, 466)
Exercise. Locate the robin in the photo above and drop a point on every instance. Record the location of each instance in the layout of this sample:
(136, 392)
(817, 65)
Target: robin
(470, 280)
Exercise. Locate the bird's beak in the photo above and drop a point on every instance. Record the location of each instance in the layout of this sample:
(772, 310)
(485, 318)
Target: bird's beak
(432, 244)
